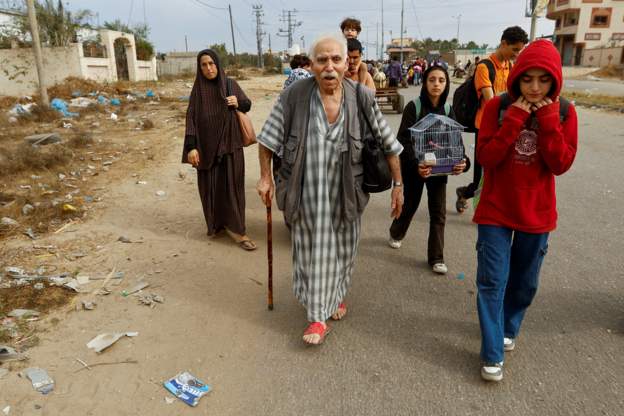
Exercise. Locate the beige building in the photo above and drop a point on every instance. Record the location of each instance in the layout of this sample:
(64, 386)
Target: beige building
(588, 32)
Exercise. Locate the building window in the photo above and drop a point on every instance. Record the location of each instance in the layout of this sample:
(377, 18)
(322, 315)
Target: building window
(570, 19)
(601, 17)
(617, 36)
(558, 23)
(592, 36)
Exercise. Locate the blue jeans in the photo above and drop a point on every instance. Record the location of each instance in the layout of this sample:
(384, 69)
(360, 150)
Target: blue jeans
(508, 266)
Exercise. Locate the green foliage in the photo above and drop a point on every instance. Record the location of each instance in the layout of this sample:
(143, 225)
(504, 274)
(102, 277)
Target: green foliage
(144, 48)
(245, 60)
(428, 44)
(57, 26)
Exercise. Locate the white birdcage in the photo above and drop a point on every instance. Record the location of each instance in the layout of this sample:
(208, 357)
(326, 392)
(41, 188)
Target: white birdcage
(438, 143)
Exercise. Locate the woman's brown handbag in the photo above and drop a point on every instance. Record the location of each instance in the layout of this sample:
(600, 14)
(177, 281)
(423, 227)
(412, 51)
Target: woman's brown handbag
(247, 130)
(246, 127)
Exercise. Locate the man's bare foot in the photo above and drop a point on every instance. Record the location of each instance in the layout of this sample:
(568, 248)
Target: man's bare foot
(340, 312)
(315, 333)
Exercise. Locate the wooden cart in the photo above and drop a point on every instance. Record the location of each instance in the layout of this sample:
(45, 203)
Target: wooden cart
(388, 99)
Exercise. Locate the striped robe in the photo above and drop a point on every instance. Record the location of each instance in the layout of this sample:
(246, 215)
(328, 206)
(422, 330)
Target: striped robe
(324, 245)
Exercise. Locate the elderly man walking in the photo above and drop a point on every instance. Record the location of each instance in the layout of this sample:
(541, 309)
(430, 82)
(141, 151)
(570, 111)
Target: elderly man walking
(317, 127)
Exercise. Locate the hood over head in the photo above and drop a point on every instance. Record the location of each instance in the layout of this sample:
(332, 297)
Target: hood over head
(201, 80)
(540, 54)
(424, 97)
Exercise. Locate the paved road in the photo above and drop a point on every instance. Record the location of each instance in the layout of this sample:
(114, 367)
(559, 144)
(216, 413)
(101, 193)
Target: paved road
(410, 344)
(603, 87)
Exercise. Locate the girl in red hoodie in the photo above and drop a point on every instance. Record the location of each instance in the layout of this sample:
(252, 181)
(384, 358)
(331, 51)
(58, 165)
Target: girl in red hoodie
(526, 138)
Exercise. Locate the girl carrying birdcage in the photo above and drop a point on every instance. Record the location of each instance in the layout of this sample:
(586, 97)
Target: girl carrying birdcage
(417, 174)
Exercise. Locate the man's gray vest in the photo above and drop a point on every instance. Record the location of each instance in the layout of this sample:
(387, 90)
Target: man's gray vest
(296, 104)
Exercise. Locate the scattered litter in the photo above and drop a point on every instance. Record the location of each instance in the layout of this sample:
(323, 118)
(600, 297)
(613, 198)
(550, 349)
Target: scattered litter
(22, 109)
(69, 209)
(67, 125)
(22, 313)
(8, 354)
(82, 102)
(61, 176)
(30, 233)
(114, 117)
(116, 275)
(103, 341)
(38, 286)
(61, 106)
(12, 120)
(169, 400)
(107, 163)
(150, 94)
(139, 286)
(151, 300)
(90, 366)
(27, 209)
(40, 379)
(161, 193)
(124, 239)
(130, 97)
(6, 410)
(15, 272)
(187, 388)
(42, 139)
(102, 100)
(115, 101)
(141, 182)
(461, 276)
(25, 187)
(88, 305)
(104, 291)
(72, 284)
(9, 222)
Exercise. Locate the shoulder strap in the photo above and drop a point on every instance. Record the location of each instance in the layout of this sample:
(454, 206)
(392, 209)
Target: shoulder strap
(504, 104)
(228, 86)
(361, 110)
(491, 71)
(447, 109)
(418, 106)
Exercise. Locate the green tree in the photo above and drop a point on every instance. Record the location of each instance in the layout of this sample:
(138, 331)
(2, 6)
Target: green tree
(57, 26)
(144, 48)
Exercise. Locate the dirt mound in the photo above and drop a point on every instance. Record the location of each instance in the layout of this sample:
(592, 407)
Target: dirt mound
(610, 71)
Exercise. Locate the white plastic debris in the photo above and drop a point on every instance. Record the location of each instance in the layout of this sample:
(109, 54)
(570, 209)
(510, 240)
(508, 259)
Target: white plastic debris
(114, 117)
(103, 341)
(40, 379)
(161, 193)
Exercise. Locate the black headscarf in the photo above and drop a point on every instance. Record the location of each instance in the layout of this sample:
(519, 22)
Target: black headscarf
(213, 124)
(424, 97)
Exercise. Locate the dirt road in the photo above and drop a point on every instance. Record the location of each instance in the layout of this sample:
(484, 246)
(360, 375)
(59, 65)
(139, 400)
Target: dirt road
(409, 345)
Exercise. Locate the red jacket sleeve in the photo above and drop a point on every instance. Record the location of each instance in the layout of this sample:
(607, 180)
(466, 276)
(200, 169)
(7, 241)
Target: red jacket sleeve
(493, 142)
(557, 141)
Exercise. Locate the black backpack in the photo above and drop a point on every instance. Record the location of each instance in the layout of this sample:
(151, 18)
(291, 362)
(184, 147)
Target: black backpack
(466, 100)
(564, 107)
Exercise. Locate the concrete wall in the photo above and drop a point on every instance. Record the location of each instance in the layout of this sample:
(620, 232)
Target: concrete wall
(602, 56)
(18, 74)
(177, 63)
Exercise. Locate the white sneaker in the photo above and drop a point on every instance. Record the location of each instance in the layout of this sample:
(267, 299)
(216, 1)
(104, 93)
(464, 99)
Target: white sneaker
(440, 268)
(492, 371)
(394, 243)
(509, 344)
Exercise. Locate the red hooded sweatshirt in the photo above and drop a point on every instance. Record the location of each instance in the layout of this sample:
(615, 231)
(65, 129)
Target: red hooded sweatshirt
(521, 157)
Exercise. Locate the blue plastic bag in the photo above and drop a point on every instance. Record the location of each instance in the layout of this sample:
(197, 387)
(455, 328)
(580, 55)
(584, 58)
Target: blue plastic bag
(61, 106)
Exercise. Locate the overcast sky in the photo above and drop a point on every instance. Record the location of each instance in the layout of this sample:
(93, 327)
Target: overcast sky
(170, 20)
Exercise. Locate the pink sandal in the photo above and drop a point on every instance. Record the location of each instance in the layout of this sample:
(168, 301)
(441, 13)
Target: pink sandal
(317, 328)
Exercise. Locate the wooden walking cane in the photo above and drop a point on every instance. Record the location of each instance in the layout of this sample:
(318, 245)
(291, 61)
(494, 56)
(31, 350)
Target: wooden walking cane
(270, 253)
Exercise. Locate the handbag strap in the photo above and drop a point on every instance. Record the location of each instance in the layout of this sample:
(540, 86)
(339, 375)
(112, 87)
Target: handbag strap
(361, 109)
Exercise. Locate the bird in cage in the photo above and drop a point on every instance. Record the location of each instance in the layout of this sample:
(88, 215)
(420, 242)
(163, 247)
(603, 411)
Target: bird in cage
(438, 142)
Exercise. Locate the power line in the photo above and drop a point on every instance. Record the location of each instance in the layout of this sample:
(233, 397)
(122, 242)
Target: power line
(288, 17)
(210, 6)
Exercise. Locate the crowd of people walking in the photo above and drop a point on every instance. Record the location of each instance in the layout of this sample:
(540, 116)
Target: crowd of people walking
(312, 155)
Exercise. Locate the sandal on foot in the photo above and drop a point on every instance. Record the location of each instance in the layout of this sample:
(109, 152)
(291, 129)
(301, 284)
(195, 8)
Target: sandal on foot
(462, 203)
(340, 313)
(317, 328)
(247, 245)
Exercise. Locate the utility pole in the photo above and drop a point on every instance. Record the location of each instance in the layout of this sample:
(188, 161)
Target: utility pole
(257, 10)
(186, 42)
(288, 17)
(401, 44)
(458, 17)
(533, 19)
(377, 42)
(232, 29)
(270, 50)
(34, 30)
(382, 30)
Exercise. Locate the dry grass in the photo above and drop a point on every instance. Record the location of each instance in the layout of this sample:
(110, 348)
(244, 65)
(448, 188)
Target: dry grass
(26, 157)
(27, 297)
(589, 100)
